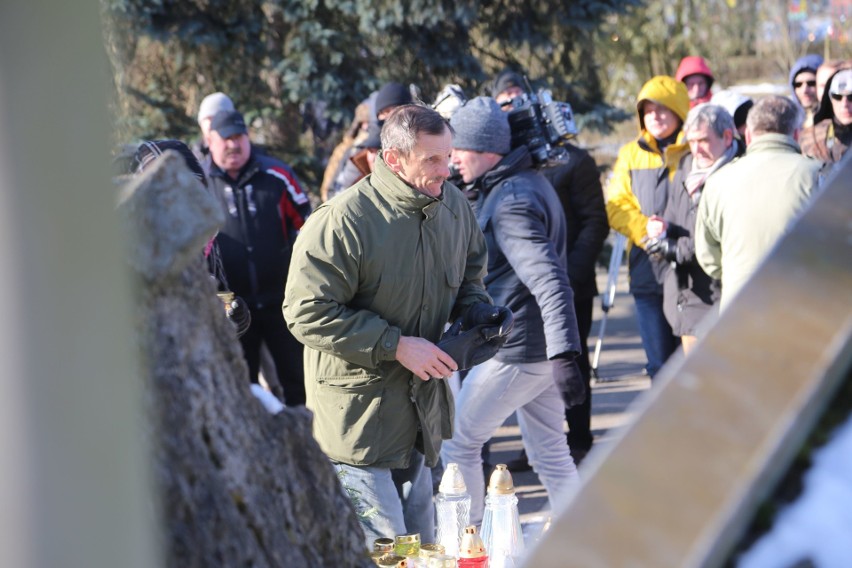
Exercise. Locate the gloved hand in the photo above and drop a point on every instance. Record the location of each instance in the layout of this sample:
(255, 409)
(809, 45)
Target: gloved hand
(482, 313)
(569, 380)
(479, 341)
(665, 249)
(239, 314)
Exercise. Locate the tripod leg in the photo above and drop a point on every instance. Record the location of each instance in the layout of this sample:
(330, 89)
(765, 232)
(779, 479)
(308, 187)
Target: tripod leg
(608, 297)
(598, 345)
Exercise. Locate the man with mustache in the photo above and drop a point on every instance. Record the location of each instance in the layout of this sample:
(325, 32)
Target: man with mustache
(264, 209)
(688, 293)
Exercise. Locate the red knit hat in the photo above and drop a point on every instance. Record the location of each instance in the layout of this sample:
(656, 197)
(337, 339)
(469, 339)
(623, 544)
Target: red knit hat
(694, 65)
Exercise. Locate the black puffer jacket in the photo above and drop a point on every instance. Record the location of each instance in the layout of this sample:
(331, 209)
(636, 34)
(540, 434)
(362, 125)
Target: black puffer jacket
(264, 210)
(526, 234)
(578, 184)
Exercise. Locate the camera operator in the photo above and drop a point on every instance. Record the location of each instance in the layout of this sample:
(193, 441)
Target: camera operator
(577, 183)
(525, 231)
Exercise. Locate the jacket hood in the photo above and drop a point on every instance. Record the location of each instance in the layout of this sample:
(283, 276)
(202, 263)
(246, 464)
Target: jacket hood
(809, 62)
(694, 65)
(825, 110)
(667, 91)
(736, 104)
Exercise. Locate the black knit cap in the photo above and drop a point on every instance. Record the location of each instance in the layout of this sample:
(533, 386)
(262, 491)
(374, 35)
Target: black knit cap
(506, 79)
(392, 95)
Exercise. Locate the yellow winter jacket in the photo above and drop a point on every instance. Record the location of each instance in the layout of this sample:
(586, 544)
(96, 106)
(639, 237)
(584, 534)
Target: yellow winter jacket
(641, 178)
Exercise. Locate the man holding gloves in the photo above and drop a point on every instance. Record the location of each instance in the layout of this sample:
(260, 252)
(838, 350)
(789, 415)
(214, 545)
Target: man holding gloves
(377, 273)
(525, 233)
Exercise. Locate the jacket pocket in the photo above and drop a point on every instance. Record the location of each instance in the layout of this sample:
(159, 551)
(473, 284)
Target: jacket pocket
(454, 277)
(348, 425)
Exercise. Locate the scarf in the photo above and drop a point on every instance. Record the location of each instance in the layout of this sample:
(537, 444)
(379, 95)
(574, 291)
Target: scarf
(697, 176)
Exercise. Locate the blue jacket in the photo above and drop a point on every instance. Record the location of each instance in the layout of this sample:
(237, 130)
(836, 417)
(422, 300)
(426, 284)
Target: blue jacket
(526, 234)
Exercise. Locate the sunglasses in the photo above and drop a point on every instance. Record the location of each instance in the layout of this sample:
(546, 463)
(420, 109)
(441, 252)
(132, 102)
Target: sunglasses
(798, 84)
(839, 98)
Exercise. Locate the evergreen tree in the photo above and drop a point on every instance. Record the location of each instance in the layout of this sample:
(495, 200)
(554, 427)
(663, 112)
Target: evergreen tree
(279, 60)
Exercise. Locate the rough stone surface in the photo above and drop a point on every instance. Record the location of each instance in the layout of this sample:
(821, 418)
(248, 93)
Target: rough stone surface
(170, 220)
(237, 486)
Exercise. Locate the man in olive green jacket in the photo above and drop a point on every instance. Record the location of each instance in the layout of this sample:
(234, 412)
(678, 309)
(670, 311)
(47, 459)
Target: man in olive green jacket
(376, 274)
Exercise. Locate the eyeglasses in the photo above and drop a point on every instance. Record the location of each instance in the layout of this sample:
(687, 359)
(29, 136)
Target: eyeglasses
(798, 84)
(838, 98)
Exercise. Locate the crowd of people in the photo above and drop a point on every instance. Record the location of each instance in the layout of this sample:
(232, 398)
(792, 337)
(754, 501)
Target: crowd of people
(433, 215)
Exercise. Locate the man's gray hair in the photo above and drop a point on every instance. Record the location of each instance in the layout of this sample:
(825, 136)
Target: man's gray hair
(774, 114)
(715, 116)
(407, 122)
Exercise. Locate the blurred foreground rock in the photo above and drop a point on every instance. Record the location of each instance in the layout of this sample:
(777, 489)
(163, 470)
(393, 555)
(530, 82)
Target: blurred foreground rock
(237, 486)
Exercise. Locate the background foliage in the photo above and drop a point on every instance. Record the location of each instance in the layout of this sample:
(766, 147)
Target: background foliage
(298, 68)
(284, 61)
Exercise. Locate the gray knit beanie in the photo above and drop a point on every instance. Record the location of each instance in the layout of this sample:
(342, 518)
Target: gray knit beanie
(481, 126)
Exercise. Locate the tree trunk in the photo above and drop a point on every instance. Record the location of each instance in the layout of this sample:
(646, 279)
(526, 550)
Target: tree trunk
(237, 485)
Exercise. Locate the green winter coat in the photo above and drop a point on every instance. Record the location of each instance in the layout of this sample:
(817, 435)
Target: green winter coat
(378, 261)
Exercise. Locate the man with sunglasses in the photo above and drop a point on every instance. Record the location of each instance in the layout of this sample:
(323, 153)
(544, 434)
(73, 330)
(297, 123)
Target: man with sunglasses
(829, 138)
(803, 82)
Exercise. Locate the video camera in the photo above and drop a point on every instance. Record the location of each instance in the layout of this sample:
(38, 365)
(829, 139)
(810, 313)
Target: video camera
(542, 125)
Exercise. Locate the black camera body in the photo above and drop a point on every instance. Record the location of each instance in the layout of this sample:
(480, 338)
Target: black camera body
(542, 125)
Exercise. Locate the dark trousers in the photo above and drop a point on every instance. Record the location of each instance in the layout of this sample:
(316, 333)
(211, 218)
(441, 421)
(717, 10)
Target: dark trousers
(656, 333)
(268, 326)
(580, 417)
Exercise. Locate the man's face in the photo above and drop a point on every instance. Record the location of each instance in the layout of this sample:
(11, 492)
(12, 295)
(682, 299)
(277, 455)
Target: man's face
(804, 85)
(696, 86)
(230, 154)
(841, 105)
(427, 166)
(507, 95)
(660, 122)
(472, 164)
(706, 145)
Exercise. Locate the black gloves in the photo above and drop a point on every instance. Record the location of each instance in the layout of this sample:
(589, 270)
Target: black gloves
(239, 314)
(485, 314)
(569, 381)
(665, 249)
(478, 335)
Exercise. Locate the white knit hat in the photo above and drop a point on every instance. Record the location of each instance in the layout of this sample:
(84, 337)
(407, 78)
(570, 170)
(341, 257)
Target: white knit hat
(213, 104)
